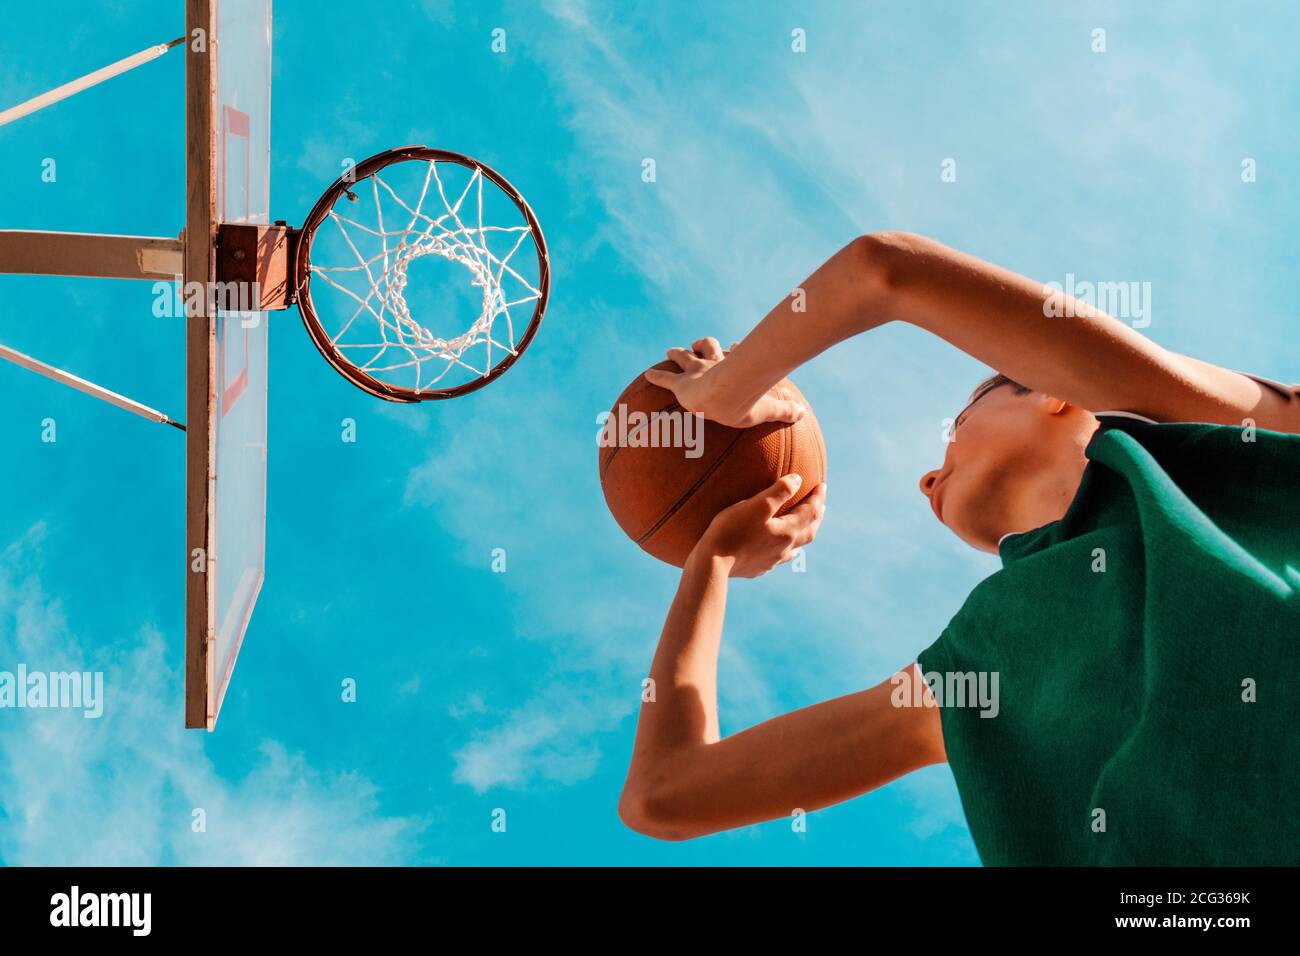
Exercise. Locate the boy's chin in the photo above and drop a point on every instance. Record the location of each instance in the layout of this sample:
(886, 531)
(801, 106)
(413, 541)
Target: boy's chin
(980, 540)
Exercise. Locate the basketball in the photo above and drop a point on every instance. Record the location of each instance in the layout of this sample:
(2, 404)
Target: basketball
(666, 473)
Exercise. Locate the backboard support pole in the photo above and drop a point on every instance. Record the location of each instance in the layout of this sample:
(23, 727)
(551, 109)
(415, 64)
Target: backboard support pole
(82, 385)
(29, 252)
(200, 349)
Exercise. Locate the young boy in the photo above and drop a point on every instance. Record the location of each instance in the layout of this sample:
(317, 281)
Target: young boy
(1142, 636)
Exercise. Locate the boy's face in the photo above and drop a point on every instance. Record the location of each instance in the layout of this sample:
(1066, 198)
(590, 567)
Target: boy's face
(1013, 464)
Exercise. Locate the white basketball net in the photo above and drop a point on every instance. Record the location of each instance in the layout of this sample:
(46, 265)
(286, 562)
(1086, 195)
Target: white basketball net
(381, 336)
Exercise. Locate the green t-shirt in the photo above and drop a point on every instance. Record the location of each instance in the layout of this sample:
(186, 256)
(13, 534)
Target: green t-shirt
(1147, 652)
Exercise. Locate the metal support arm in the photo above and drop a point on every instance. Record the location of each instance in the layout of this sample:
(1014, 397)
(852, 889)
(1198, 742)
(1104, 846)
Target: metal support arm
(29, 252)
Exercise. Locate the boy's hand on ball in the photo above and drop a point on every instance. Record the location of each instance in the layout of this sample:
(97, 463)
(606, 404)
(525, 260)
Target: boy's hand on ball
(700, 387)
(755, 538)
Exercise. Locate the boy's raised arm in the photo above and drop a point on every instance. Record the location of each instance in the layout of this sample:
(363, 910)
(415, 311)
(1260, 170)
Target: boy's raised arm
(685, 780)
(1007, 321)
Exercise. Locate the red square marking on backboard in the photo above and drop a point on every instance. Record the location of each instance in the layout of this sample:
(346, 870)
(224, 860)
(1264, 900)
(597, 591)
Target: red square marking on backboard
(234, 130)
(231, 389)
(234, 124)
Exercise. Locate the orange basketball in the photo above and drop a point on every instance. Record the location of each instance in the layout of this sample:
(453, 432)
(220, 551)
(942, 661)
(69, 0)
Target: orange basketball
(664, 478)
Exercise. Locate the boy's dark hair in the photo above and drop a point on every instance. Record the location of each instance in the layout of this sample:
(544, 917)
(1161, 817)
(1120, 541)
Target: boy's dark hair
(997, 381)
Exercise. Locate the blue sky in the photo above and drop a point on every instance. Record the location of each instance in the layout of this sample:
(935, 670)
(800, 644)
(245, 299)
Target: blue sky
(518, 691)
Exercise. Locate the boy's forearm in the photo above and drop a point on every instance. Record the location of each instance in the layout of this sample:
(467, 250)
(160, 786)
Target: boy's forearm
(844, 297)
(685, 666)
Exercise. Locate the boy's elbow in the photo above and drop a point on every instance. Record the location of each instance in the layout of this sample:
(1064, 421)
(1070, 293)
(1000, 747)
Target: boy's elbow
(885, 257)
(880, 244)
(649, 815)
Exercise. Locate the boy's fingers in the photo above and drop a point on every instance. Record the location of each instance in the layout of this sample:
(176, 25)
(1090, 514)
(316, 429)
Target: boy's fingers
(808, 534)
(770, 409)
(781, 491)
(687, 360)
(708, 348)
(804, 520)
(662, 377)
(818, 496)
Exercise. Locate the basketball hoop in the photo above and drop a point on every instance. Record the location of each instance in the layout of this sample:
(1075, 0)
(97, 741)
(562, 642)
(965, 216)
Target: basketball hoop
(355, 291)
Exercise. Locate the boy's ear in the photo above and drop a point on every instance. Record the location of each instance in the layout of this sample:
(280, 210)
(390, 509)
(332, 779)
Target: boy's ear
(1055, 406)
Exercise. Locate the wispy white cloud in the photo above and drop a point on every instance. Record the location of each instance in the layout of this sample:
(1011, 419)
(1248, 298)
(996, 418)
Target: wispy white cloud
(123, 789)
(551, 739)
(936, 805)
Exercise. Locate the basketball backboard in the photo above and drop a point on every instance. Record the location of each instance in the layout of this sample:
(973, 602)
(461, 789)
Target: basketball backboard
(228, 127)
(237, 266)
